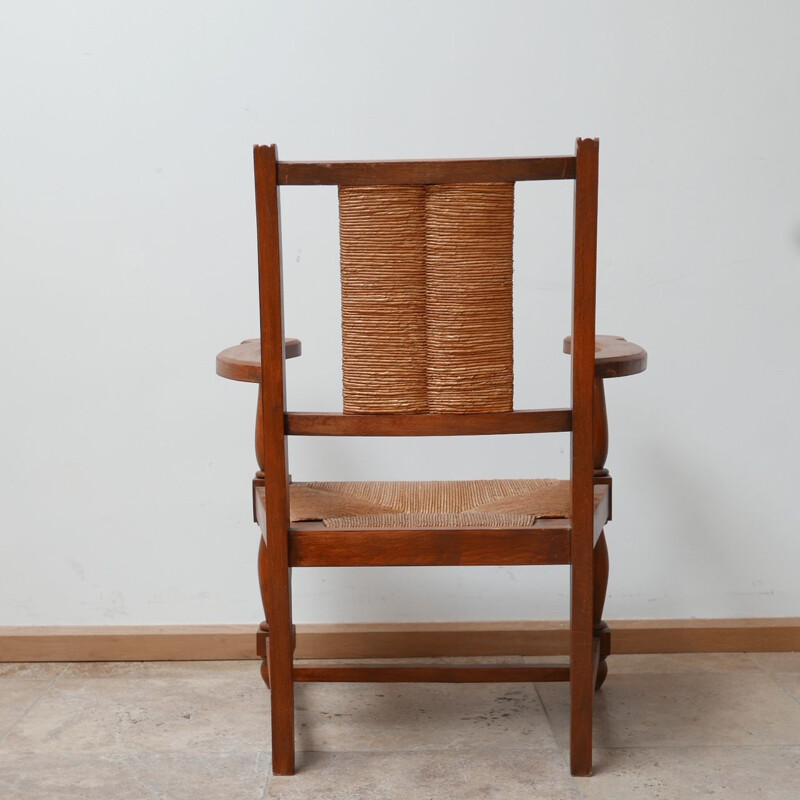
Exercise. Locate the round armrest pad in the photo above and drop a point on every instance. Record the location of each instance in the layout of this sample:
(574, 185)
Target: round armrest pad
(243, 361)
(614, 356)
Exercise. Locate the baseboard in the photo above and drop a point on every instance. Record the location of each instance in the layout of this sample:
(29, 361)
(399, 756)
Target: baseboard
(392, 640)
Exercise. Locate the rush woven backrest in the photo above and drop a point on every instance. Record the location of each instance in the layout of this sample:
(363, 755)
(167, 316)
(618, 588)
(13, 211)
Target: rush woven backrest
(427, 297)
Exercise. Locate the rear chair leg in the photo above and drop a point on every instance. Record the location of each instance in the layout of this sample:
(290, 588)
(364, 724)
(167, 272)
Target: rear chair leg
(581, 669)
(580, 685)
(280, 655)
(276, 649)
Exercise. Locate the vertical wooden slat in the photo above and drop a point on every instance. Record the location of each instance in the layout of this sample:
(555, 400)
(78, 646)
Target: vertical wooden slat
(583, 333)
(276, 477)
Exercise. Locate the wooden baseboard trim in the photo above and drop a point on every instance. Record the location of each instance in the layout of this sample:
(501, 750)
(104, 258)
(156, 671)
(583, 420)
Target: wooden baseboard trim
(392, 640)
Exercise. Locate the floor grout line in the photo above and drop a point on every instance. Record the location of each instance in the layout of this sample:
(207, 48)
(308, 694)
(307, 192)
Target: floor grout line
(34, 703)
(752, 658)
(547, 716)
(773, 679)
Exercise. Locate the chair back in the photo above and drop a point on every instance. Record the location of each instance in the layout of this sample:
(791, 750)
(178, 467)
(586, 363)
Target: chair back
(426, 265)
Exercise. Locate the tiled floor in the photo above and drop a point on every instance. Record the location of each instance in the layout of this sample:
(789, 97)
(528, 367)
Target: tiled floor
(722, 726)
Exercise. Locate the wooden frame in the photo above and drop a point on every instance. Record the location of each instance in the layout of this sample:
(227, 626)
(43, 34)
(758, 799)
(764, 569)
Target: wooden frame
(584, 656)
(386, 173)
(580, 543)
(548, 420)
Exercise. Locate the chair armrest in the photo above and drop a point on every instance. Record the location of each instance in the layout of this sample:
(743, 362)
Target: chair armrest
(614, 357)
(243, 361)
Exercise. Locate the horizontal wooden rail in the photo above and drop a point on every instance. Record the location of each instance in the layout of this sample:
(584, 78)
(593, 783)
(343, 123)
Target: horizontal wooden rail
(310, 545)
(431, 673)
(548, 420)
(384, 173)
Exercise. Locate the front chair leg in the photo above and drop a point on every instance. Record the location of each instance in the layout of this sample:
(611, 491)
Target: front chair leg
(601, 631)
(262, 637)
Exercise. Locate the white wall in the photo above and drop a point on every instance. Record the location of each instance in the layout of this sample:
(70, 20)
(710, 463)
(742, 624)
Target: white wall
(128, 260)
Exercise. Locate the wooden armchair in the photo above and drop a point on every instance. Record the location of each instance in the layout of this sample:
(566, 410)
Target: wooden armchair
(426, 276)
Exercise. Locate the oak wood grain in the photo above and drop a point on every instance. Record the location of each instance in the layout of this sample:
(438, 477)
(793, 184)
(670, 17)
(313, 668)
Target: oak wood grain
(425, 547)
(547, 420)
(276, 477)
(582, 461)
(387, 173)
(428, 673)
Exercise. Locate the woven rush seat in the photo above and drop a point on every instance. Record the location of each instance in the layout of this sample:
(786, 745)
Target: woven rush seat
(430, 504)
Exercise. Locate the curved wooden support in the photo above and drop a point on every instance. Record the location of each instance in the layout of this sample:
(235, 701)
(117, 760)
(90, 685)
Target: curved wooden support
(601, 631)
(262, 637)
(600, 445)
(615, 357)
(600, 556)
(260, 431)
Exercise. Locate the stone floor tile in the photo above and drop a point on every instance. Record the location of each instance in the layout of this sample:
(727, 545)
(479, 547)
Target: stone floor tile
(676, 709)
(677, 726)
(422, 716)
(38, 671)
(680, 662)
(129, 715)
(721, 773)
(777, 662)
(163, 776)
(248, 670)
(564, 659)
(789, 682)
(17, 697)
(625, 663)
(442, 775)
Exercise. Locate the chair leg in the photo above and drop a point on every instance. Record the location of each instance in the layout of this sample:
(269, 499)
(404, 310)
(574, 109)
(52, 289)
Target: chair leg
(282, 707)
(280, 655)
(276, 643)
(262, 637)
(600, 566)
(581, 668)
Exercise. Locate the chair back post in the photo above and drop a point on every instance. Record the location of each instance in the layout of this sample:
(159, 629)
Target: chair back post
(583, 336)
(270, 292)
(276, 476)
(582, 466)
